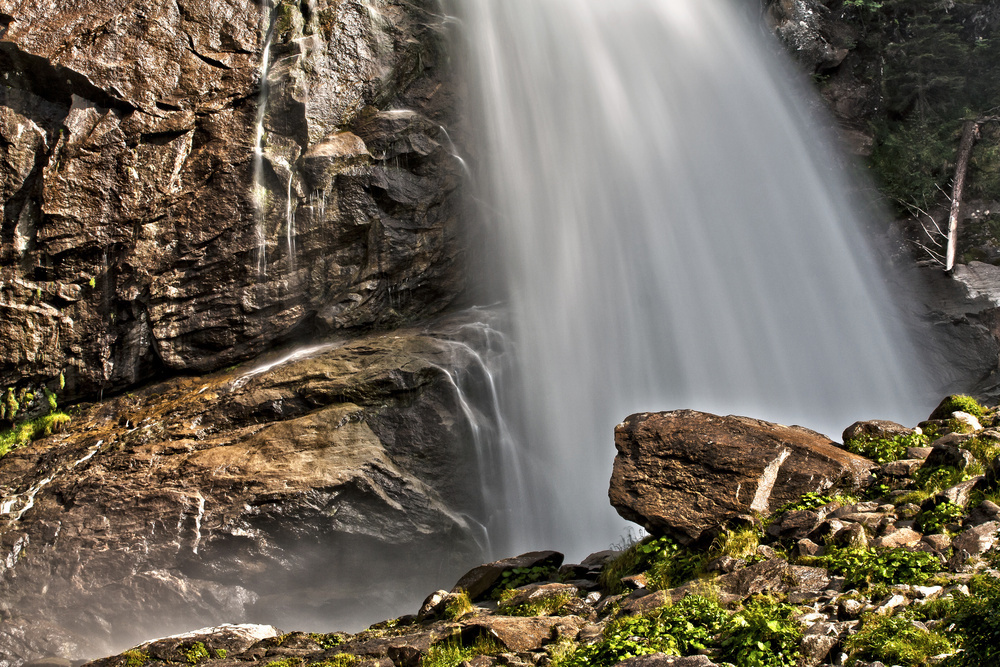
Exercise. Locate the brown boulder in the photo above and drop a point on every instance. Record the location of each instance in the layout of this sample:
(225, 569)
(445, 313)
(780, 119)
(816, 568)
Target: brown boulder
(523, 633)
(685, 473)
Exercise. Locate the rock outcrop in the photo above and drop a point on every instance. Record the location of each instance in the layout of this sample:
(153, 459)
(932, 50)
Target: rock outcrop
(334, 485)
(167, 210)
(686, 473)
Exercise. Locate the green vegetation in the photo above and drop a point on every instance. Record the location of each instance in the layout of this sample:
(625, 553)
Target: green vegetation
(135, 658)
(865, 567)
(327, 640)
(896, 640)
(196, 653)
(28, 431)
(550, 605)
(763, 634)
(935, 520)
(457, 606)
(451, 652)
(339, 660)
(884, 450)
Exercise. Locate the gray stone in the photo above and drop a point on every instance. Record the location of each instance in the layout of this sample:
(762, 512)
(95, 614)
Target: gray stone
(903, 537)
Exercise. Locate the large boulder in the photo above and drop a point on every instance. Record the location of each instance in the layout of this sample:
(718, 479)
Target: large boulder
(685, 473)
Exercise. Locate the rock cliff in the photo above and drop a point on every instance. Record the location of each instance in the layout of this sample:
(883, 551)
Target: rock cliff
(173, 205)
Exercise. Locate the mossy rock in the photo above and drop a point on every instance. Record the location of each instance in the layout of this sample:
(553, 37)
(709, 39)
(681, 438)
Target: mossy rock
(958, 403)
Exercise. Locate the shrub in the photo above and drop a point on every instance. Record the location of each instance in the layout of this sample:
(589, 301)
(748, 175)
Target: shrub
(665, 562)
(976, 621)
(895, 640)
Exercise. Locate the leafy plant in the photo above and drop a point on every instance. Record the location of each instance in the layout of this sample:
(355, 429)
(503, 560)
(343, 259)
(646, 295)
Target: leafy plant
(935, 519)
(196, 653)
(895, 640)
(864, 567)
(763, 634)
(884, 450)
(521, 576)
(934, 480)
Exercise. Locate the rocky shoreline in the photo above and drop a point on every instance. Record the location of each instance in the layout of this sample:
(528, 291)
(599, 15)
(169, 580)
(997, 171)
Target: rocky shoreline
(893, 567)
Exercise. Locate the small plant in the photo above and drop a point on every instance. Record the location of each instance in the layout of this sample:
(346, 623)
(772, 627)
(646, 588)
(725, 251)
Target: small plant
(196, 653)
(738, 543)
(808, 501)
(327, 641)
(221, 653)
(895, 640)
(934, 520)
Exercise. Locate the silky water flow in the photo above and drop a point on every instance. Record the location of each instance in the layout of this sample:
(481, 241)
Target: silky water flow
(675, 234)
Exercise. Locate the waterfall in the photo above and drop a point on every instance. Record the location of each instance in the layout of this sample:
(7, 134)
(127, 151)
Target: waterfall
(673, 235)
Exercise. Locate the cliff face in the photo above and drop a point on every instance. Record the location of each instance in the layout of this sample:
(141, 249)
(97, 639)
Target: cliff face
(161, 214)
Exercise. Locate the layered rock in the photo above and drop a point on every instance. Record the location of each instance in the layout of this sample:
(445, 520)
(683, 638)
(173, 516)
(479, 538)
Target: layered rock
(325, 490)
(686, 473)
(134, 239)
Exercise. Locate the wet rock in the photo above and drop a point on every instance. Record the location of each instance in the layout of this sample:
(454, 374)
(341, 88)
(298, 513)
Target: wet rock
(480, 580)
(876, 428)
(346, 461)
(685, 473)
(806, 30)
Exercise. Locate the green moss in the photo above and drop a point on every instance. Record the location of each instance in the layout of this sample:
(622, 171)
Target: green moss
(958, 403)
(26, 432)
(327, 640)
(135, 658)
(458, 606)
(339, 660)
(548, 606)
(451, 652)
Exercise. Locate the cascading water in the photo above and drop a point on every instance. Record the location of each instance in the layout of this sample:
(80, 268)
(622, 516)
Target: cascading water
(673, 238)
(259, 187)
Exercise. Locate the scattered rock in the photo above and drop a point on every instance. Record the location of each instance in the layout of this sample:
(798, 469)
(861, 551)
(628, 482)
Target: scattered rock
(903, 537)
(974, 542)
(663, 660)
(947, 455)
